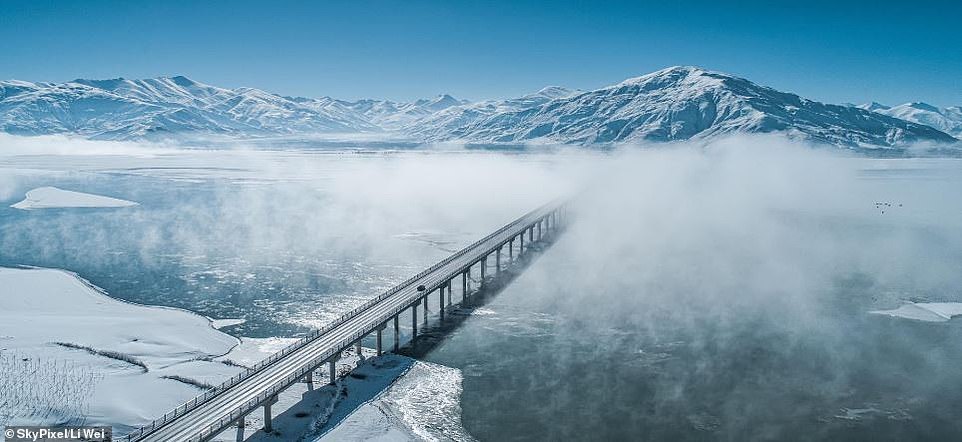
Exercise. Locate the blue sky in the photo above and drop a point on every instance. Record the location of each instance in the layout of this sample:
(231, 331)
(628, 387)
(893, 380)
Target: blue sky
(851, 52)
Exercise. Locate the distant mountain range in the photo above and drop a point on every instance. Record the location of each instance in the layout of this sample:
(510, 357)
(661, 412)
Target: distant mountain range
(678, 103)
(948, 119)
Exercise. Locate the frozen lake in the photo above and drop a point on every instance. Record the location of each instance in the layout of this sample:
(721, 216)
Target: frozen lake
(699, 295)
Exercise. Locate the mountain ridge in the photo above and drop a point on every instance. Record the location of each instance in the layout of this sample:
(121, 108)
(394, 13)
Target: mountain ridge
(676, 103)
(686, 102)
(947, 119)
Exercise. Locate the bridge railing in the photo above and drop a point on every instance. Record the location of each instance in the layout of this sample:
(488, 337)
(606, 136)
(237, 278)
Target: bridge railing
(300, 343)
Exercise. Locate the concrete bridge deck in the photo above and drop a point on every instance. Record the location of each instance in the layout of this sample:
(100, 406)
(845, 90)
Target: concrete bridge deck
(205, 416)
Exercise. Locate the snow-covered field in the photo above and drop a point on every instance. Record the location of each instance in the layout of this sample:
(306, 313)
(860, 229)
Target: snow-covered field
(119, 357)
(52, 197)
(73, 355)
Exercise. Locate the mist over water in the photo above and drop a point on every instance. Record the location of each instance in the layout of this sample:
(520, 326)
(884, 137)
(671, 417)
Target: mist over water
(702, 293)
(724, 294)
(285, 240)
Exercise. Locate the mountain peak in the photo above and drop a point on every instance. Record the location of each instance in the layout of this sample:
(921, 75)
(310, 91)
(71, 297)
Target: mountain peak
(441, 102)
(182, 81)
(924, 106)
(445, 98)
(107, 84)
(874, 106)
(674, 74)
(553, 92)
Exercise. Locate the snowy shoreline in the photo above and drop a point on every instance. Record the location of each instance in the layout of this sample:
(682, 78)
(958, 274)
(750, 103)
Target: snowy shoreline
(133, 358)
(72, 355)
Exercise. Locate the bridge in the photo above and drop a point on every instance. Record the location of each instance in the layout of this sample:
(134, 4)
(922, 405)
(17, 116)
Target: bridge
(204, 416)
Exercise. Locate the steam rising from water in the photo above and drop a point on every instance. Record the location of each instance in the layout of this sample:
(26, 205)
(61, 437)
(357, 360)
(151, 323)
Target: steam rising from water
(723, 293)
(701, 292)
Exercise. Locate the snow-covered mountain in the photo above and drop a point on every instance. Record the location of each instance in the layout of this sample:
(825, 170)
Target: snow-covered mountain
(394, 116)
(682, 103)
(441, 125)
(677, 103)
(948, 120)
(124, 109)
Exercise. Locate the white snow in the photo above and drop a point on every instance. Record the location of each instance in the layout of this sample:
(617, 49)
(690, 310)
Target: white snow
(221, 323)
(925, 311)
(124, 109)
(423, 404)
(52, 197)
(675, 103)
(41, 307)
(948, 119)
(41, 382)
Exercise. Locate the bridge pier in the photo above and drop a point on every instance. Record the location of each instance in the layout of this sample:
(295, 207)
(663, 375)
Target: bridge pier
(539, 230)
(441, 302)
(241, 421)
(357, 349)
(464, 285)
(332, 368)
(484, 265)
(511, 250)
(425, 318)
(397, 333)
(378, 336)
(521, 246)
(309, 377)
(268, 426)
(530, 233)
(497, 261)
(414, 319)
(448, 285)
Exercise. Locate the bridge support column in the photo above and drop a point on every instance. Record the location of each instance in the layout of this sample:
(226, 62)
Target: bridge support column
(484, 266)
(309, 377)
(332, 369)
(425, 318)
(521, 246)
(448, 285)
(531, 233)
(539, 229)
(497, 261)
(414, 320)
(464, 285)
(268, 427)
(241, 421)
(357, 349)
(441, 302)
(511, 250)
(378, 339)
(267, 418)
(397, 333)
